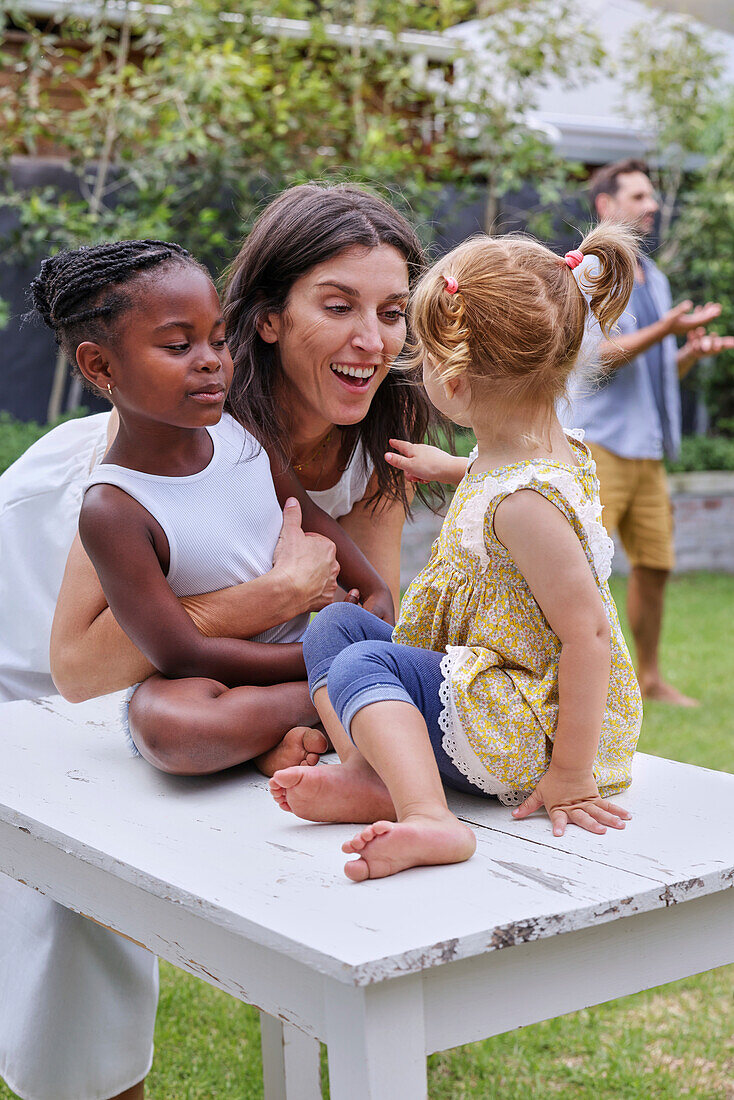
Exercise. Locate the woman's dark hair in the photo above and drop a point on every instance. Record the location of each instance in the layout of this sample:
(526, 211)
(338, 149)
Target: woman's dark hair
(77, 292)
(303, 227)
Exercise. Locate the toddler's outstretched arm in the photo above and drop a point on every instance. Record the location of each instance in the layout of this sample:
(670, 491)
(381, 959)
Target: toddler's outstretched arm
(423, 463)
(549, 555)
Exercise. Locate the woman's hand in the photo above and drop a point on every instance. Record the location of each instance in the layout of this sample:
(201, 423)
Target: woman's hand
(423, 463)
(307, 561)
(572, 797)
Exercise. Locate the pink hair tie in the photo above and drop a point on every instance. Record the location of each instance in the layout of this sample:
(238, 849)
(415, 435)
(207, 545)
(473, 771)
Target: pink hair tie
(573, 259)
(451, 284)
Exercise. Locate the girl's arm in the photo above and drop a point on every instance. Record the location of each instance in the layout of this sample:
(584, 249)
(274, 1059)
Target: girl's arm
(421, 462)
(550, 557)
(120, 538)
(355, 572)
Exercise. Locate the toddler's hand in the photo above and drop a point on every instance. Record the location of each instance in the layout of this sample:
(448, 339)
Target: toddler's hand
(423, 463)
(572, 797)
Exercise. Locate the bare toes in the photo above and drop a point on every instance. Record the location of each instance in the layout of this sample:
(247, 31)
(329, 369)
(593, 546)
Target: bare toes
(357, 870)
(314, 741)
(287, 777)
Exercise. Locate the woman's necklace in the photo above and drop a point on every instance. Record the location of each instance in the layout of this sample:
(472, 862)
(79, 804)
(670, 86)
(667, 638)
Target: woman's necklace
(298, 466)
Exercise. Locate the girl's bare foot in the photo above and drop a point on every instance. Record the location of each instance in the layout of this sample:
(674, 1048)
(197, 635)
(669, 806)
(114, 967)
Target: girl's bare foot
(301, 745)
(386, 847)
(338, 792)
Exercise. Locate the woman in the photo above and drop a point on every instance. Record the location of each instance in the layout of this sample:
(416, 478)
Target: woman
(315, 310)
(315, 314)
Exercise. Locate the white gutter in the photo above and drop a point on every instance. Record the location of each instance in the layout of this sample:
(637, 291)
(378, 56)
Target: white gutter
(433, 46)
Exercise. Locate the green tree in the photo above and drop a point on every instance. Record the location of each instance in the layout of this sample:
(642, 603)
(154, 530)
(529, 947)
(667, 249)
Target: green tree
(178, 125)
(671, 79)
(703, 258)
(673, 84)
(515, 50)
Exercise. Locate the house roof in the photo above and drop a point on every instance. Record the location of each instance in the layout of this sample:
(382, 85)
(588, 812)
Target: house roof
(590, 121)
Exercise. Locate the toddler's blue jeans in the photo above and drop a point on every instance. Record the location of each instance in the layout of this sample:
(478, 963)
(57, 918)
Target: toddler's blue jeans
(351, 652)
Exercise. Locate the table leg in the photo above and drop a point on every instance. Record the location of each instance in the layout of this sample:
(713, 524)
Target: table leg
(376, 1041)
(291, 1061)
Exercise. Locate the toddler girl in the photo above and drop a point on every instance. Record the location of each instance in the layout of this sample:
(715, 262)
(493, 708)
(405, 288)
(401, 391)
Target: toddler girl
(507, 673)
(185, 502)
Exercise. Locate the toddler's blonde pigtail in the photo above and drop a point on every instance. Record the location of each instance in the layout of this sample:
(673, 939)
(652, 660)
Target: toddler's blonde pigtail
(609, 283)
(438, 319)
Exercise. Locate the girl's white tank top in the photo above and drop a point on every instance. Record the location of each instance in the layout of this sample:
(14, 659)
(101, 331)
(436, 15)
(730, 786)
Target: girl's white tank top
(222, 524)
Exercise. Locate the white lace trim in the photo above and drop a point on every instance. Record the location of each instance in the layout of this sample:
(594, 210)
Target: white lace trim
(455, 742)
(471, 518)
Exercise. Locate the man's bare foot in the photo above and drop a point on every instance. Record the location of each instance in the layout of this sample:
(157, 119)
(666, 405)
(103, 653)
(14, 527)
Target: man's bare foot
(386, 848)
(336, 792)
(660, 692)
(300, 746)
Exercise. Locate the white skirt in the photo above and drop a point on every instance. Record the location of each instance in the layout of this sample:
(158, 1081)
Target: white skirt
(77, 1002)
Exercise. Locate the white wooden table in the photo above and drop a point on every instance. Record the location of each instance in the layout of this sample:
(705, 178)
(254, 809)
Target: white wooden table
(210, 875)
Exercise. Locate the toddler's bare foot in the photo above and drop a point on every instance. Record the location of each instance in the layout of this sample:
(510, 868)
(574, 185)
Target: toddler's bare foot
(301, 745)
(336, 792)
(386, 848)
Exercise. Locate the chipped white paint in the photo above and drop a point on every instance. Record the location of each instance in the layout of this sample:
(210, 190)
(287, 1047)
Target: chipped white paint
(209, 873)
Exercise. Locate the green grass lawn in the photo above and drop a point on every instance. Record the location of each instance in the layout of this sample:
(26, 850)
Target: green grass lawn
(675, 1041)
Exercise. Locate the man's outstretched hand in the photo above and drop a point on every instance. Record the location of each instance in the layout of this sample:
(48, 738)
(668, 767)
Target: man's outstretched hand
(681, 319)
(700, 344)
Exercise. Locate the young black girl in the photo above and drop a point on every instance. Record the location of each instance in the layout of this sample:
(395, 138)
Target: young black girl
(186, 502)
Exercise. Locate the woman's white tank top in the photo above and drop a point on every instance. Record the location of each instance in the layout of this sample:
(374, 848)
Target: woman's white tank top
(350, 488)
(222, 524)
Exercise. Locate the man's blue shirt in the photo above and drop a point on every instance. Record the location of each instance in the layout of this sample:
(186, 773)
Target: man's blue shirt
(634, 411)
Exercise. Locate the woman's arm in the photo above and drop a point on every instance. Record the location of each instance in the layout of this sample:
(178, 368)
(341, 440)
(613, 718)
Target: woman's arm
(120, 538)
(355, 570)
(550, 557)
(377, 531)
(301, 580)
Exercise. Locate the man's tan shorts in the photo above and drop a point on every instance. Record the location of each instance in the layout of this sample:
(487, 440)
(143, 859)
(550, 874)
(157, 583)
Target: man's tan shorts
(634, 494)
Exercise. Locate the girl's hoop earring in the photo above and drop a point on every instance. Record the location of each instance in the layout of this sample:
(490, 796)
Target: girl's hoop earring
(109, 389)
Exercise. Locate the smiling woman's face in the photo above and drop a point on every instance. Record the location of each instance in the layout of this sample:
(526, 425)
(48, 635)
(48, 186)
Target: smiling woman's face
(343, 326)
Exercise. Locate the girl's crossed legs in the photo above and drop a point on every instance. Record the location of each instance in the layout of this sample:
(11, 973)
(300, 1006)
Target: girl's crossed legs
(381, 711)
(196, 726)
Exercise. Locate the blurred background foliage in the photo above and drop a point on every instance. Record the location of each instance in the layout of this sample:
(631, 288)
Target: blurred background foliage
(180, 125)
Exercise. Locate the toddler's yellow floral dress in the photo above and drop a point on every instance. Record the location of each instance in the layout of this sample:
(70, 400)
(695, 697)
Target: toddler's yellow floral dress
(500, 688)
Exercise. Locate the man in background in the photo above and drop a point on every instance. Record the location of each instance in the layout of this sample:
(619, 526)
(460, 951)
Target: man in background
(632, 418)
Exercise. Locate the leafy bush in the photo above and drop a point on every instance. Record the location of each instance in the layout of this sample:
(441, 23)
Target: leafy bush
(702, 264)
(704, 452)
(16, 436)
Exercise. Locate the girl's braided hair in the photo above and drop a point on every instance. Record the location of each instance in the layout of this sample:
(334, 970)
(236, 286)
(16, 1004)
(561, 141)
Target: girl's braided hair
(73, 292)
